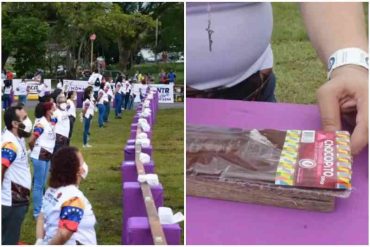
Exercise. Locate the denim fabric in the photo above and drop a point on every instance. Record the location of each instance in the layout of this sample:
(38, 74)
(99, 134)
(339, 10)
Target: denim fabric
(11, 223)
(101, 109)
(41, 172)
(118, 104)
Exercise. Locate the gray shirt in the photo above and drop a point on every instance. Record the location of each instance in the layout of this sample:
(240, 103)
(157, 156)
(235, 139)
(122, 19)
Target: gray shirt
(241, 42)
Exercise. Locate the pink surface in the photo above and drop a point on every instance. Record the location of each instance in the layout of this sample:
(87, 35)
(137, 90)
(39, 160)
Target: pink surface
(222, 222)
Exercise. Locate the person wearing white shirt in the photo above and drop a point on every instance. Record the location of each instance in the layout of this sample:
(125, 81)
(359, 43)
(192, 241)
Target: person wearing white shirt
(95, 81)
(15, 173)
(109, 92)
(7, 94)
(41, 89)
(42, 144)
(102, 97)
(67, 217)
(22, 92)
(62, 126)
(71, 109)
(88, 107)
(123, 93)
(118, 99)
(128, 93)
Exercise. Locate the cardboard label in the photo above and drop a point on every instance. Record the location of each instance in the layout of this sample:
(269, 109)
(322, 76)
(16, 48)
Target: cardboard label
(315, 159)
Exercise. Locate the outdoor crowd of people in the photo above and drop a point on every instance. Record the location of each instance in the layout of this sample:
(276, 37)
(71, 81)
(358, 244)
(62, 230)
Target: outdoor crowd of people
(62, 213)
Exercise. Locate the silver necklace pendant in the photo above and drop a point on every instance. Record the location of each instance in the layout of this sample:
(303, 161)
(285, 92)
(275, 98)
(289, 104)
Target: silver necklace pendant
(209, 29)
(210, 32)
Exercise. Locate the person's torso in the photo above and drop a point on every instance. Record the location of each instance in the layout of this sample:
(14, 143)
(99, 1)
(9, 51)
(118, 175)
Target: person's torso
(7, 90)
(62, 126)
(22, 88)
(72, 108)
(240, 35)
(104, 96)
(90, 108)
(52, 203)
(93, 78)
(41, 89)
(16, 184)
(46, 140)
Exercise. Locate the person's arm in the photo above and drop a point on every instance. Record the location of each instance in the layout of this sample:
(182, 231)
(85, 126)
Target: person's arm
(61, 237)
(334, 26)
(40, 232)
(8, 155)
(37, 131)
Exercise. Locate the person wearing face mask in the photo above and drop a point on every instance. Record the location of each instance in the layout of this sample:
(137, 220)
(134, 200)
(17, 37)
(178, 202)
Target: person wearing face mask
(71, 109)
(42, 143)
(102, 97)
(62, 126)
(107, 101)
(16, 173)
(66, 216)
(88, 107)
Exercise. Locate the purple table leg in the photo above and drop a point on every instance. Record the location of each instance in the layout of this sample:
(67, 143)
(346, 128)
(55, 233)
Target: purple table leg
(133, 202)
(129, 172)
(138, 232)
(129, 152)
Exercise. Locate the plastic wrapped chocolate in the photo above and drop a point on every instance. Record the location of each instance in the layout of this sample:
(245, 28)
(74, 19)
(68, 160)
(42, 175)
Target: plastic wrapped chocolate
(311, 162)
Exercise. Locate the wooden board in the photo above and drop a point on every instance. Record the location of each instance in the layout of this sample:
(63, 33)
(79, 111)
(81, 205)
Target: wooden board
(260, 193)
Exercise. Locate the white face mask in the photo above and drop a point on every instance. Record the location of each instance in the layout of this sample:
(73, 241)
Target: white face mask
(85, 167)
(74, 98)
(63, 106)
(28, 125)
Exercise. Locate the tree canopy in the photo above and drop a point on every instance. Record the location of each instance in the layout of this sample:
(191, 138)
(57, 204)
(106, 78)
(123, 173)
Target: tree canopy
(41, 34)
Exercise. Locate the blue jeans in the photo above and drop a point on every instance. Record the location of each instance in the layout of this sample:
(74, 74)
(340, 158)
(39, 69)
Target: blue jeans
(86, 132)
(101, 109)
(41, 171)
(106, 112)
(118, 104)
(6, 101)
(123, 100)
(131, 101)
(22, 99)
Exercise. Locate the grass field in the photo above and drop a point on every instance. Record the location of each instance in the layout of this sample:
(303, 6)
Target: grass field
(298, 70)
(103, 184)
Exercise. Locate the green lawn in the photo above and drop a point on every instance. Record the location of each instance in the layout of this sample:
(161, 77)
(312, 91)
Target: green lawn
(103, 185)
(298, 70)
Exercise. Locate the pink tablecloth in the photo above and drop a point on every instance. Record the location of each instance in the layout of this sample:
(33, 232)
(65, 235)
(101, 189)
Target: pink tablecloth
(222, 222)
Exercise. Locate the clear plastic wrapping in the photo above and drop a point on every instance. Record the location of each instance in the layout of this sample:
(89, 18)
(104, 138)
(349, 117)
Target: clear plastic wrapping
(242, 156)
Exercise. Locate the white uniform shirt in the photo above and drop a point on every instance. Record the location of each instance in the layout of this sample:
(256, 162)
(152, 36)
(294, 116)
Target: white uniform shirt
(7, 90)
(104, 98)
(90, 108)
(71, 108)
(93, 79)
(62, 126)
(46, 139)
(41, 89)
(68, 207)
(22, 88)
(14, 154)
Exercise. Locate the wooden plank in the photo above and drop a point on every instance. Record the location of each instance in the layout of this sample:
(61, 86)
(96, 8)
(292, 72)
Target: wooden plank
(155, 226)
(260, 194)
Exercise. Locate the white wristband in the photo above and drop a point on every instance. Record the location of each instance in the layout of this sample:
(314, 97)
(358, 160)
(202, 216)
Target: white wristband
(354, 56)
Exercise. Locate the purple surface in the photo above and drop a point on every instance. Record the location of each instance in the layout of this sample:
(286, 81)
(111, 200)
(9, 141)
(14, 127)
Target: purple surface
(138, 232)
(222, 222)
(129, 152)
(149, 119)
(133, 202)
(129, 172)
(80, 96)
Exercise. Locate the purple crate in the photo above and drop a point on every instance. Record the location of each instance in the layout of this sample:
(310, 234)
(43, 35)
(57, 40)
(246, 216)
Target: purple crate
(133, 202)
(129, 172)
(129, 152)
(138, 232)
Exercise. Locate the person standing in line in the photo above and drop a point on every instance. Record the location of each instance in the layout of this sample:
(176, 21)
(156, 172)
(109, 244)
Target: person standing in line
(88, 107)
(22, 92)
(102, 97)
(109, 92)
(95, 81)
(41, 90)
(7, 94)
(15, 173)
(171, 77)
(118, 100)
(42, 143)
(128, 93)
(71, 109)
(62, 126)
(67, 216)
